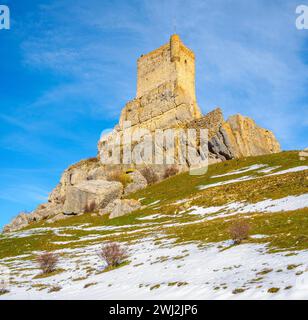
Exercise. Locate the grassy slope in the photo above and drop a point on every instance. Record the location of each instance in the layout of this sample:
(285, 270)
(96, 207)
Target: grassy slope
(285, 230)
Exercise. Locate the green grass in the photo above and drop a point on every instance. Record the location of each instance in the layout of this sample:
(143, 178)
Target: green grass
(285, 230)
(184, 185)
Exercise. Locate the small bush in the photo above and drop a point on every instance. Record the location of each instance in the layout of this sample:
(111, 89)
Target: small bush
(118, 175)
(239, 231)
(149, 174)
(47, 262)
(90, 207)
(54, 289)
(273, 290)
(3, 291)
(113, 254)
(171, 171)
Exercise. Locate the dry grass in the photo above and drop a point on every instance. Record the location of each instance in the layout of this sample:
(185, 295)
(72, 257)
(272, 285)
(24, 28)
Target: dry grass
(120, 176)
(171, 171)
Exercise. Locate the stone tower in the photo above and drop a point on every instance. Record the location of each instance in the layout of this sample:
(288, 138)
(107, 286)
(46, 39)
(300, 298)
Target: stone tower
(165, 88)
(172, 62)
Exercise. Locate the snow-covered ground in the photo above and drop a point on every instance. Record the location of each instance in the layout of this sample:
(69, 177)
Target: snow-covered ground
(175, 272)
(159, 268)
(251, 177)
(289, 203)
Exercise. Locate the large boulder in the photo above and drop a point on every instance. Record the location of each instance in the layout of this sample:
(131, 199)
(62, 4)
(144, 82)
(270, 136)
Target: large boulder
(138, 182)
(97, 193)
(120, 207)
(84, 170)
(44, 211)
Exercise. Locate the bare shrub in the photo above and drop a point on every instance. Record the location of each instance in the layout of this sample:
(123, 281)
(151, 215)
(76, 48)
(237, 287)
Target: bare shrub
(4, 291)
(54, 289)
(113, 254)
(171, 171)
(239, 231)
(120, 176)
(47, 262)
(90, 207)
(149, 174)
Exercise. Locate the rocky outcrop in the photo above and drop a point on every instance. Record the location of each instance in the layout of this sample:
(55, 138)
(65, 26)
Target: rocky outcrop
(165, 99)
(246, 139)
(18, 223)
(237, 137)
(42, 212)
(91, 195)
(119, 208)
(89, 169)
(138, 182)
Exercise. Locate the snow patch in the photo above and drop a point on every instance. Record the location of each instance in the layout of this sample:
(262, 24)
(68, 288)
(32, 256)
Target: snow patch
(245, 178)
(295, 169)
(246, 169)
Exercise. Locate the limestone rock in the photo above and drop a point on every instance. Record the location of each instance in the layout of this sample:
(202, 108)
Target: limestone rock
(244, 138)
(58, 217)
(99, 192)
(138, 182)
(43, 212)
(84, 170)
(119, 207)
(17, 223)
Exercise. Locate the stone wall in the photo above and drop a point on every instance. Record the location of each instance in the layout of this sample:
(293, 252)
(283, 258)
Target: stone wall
(172, 62)
(211, 121)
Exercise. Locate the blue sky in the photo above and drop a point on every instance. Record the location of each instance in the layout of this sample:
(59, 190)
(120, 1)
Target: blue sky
(68, 67)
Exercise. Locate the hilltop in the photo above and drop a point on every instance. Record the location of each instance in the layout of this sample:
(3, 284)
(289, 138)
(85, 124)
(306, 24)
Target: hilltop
(165, 106)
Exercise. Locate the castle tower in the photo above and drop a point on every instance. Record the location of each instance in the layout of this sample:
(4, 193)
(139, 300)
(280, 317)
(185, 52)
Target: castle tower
(165, 95)
(172, 62)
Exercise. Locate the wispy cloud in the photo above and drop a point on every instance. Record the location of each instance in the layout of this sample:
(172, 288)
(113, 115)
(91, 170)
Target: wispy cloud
(248, 55)
(23, 194)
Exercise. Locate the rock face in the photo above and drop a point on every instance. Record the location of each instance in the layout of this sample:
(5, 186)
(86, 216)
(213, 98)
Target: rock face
(19, 222)
(237, 137)
(85, 170)
(95, 193)
(119, 208)
(247, 139)
(138, 182)
(165, 99)
(42, 212)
